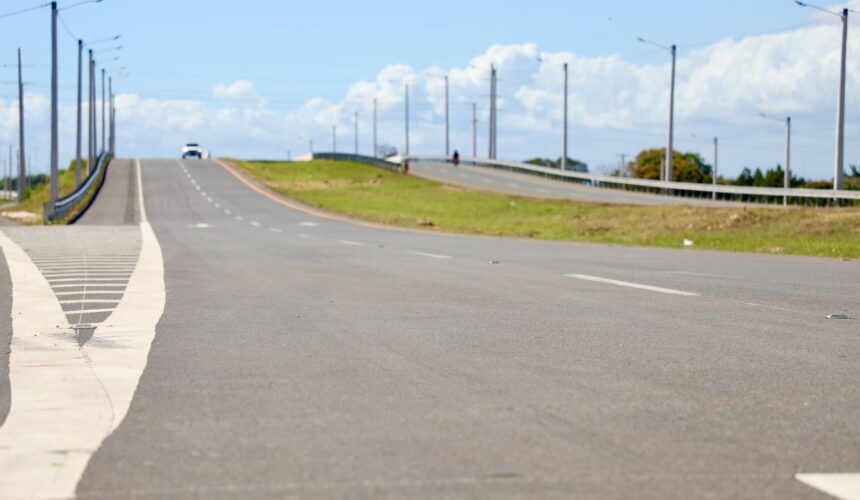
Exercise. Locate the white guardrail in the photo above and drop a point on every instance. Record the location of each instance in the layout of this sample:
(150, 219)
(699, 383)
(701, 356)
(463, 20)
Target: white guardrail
(794, 196)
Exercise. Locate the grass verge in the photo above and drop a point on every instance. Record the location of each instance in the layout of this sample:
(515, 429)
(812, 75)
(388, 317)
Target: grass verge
(38, 195)
(375, 195)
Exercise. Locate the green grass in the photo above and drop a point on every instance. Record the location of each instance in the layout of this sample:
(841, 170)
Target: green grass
(375, 195)
(34, 202)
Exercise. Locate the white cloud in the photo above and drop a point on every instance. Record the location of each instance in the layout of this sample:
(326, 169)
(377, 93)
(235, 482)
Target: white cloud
(616, 106)
(240, 89)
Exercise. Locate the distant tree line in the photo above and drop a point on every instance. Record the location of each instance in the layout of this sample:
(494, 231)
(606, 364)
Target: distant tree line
(690, 167)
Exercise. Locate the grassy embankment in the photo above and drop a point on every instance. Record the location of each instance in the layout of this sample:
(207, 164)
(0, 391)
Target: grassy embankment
(371, 194)
(38, 195)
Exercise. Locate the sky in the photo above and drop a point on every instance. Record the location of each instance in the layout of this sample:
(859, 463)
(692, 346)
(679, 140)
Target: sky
(260, 79)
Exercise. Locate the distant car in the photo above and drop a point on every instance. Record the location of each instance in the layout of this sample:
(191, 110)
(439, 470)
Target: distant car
(192, 150)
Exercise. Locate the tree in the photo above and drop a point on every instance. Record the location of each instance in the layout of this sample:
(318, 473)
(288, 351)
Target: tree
(572, 164)
(686, 167)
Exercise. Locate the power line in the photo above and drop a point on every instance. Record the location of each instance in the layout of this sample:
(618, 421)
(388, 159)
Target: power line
(10, 14)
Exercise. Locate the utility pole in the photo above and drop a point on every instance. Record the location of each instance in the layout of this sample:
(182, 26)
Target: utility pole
(474, 130)
(406, 151)
(787, 180)
(840, 110)
(54, 106)
(91, 150)
(78, 136)
(22, 165)
(104, 145)
(564, 136)
(334, 138)
(110, 115)
(447, 123)
(355, 118)
(492, 134)
(375, 153)
(669, 150)
(714, 173)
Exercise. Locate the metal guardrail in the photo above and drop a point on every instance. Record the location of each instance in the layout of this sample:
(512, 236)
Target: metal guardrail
(66, 205)
(367, 160)
(751, 194)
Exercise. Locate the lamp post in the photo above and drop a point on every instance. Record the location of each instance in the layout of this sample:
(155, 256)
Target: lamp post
(673, 50)
(563, 162)
(786, 183)
(406, 116)
(838, 167)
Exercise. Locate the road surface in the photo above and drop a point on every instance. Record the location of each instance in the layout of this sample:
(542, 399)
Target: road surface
(301, 356)
(502, 181)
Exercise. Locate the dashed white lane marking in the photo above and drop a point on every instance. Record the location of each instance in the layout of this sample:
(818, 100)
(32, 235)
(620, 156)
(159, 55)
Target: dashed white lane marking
(276, 230)
(193, 182)
(843, 486)
(197, 187)
(305, 235)
(631, 285)
(309, 224)
(218, 206)
(228, 212)
(239, 217)
(255, 223)
(201, 225)
(350, 242)
(431, 255)
(209, 199)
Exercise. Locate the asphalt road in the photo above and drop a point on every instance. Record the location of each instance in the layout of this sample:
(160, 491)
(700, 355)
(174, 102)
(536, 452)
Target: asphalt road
(501, 181)
(307, 357)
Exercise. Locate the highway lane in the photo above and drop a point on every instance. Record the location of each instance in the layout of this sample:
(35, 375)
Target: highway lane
(500, 181)
(304, 356)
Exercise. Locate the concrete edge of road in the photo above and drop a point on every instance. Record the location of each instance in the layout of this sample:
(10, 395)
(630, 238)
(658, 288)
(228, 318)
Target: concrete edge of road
(255, 185)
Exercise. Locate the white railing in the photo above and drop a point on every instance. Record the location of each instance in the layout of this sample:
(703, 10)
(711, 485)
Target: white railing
(687, 189)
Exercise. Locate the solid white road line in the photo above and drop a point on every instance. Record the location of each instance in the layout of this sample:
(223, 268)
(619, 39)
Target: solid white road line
(631, 285)
(89, 291)
(842, 486)
(81, 285)
(431, 255)
(88, 311)
(78, 280)
(86, 274)
(350, 242)
(66, 399)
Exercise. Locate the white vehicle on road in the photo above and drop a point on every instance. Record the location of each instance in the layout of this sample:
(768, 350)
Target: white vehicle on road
(192, 150)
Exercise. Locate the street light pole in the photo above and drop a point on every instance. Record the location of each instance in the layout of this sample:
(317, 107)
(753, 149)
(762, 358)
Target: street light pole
(670, 150)
(840, 109)
(787, 179)
(355, 117)
(492, 134)
(374, 129)
(104, 145)
(78, 136)
(406, 150)
(714, 172)
(447, 123)
(474, 130)
(22, 164)
(91, 117)
(54, 106)
(564, 137)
